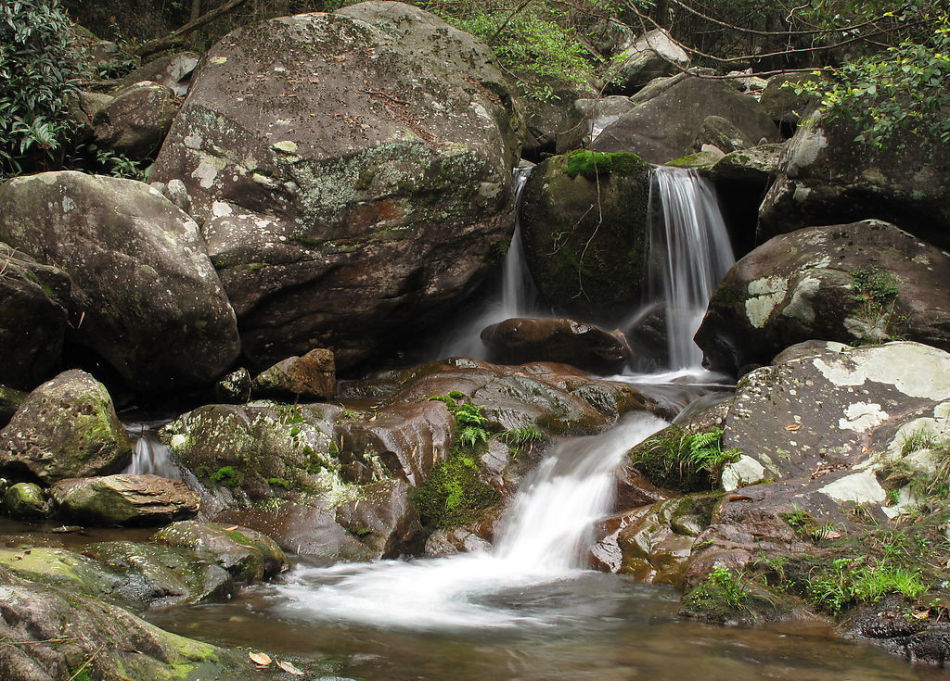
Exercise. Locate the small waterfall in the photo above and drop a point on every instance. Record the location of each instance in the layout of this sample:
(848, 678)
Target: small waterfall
(151, 457)
(518, 294)
(545, 538)
(690, 253)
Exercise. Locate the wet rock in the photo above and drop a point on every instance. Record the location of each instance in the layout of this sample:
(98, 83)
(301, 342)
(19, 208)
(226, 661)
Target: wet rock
(71, 630)
(720, 133)
(665, 126)
(312, 376)
(169, 325)
(172, 70)
(553, 125)
(246, 554)
(826, 177)
(235, 388)
(579, 209)
(452, 541)
(34, 299)
(66, 428)
(342, 229)
(865, 282)
(652, 55)
(125, 499)
(383, 519)
(26, 500)
(517, 341)
(136, 121)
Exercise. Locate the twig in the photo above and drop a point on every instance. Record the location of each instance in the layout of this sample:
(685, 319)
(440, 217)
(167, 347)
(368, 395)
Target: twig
(517, 10)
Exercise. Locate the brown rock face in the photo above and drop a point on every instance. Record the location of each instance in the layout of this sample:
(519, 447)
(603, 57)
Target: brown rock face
(136, 121)
(864, 282)
(310, 376)
(353, 171)
(516, 341)
(125, 499)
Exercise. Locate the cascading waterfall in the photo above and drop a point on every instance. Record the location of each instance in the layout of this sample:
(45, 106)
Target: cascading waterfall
(690, 253)
(150, 455)
(545, 538)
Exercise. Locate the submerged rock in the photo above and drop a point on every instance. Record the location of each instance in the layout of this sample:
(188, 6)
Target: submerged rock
(125, 499)
(353, 172)
(665, 126)
(169, 324)
(516, 341)
(584, 229)
(865, 282)
(66, 428)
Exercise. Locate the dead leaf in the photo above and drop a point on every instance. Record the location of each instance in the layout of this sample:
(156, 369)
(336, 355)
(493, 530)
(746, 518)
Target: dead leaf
(260, 659)
(231, 529)
(290, 668)
(921, 614)
(832, 535)
(793, 426)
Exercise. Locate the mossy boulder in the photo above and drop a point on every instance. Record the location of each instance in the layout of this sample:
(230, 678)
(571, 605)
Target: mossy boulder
(827, 177)
(125, 499)
(66, 428)
(26, 500)
(353, 173)
(144, 294)
(246, 554)
(35, 303)
(74, 632)
(860, 283)
(584, 222)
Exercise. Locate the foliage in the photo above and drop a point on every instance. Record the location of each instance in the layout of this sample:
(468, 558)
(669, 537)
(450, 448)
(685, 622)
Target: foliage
(38, 70)
(722, 591)
(454, 494)
(591, 164)
(228, 476)
(523, 440)
(902, 89)
(689, 462)
(472, 423)
(846, 582)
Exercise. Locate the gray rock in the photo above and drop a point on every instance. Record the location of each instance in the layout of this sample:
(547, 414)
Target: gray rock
(652, 55)
(353, 172)
(66, 428)
(171, 70)
(246, 554)
(169, 324)
(136, 121)
(235, 388)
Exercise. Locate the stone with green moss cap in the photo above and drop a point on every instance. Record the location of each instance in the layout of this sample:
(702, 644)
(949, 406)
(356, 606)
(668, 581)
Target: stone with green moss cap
(26, 500)
(66, 428)
(125, 499)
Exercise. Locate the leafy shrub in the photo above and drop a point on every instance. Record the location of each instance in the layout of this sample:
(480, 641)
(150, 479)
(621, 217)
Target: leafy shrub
(690, 462)
(38, 70)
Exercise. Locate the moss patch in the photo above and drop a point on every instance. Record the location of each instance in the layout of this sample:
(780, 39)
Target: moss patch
(591, 164)
(454, 494)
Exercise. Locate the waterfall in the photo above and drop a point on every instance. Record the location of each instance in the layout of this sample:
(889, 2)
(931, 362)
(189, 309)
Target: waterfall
(518, 294)
(545, 538)
(150, 455)
(690, 253)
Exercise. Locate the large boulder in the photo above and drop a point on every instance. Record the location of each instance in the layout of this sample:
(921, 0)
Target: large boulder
(652, 55)
(66, 428)
(665, 126)
(173, 70)
(827, 177)
(70, 630)
(865, 282)
(137, 120)
(125, 499)
(353, 172)
(516, 341)
(34, 300)
(584, 228)
(144, 293)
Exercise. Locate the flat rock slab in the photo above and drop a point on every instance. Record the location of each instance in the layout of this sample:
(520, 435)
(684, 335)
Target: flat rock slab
(125, 499)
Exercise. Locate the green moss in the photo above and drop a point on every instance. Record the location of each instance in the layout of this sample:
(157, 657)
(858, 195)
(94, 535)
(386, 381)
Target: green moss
(228, 476)
(591, 164)
(279, 482)
(723, 593)
(454, 494)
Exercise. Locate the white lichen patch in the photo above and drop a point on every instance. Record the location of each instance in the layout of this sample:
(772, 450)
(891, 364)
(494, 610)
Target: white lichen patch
(207, 171)
(285, 146)
(800, 307)
(911, 368)
(68, 204)
(221, 209)
(742, 472)
(862, 416)
(764, 295)
(861, 488)
(805, 148)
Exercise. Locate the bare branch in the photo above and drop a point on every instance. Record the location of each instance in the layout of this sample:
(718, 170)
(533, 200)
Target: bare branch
(175, 37)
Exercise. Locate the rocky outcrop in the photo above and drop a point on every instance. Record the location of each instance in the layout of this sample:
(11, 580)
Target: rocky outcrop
(865, 282)
(144, 294)
(173, 70)
(340, 228)
(246, 554)
(652, 55)
(34, 299)
(665, 126)
(66, 428)
(828, 177)
(136, 121)
(312, 376)
(584, 229)
(517, 341)
(73, 631)
(125, 499)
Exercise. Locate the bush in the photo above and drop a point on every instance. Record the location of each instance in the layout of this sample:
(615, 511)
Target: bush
(38, 70)
(689, 462)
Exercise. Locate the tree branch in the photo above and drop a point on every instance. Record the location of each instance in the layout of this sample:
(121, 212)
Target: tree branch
(175, 37)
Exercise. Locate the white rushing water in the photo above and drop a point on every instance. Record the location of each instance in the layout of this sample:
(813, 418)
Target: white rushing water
(545, 539)
(150, 455)
(518, 296)
(690, 253)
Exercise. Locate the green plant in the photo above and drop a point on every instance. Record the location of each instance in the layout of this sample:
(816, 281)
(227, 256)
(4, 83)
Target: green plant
(922, 438)
(470, 419)
(454, 494)
(38, 77)
(723, 591)
(279, 482)
(875, 289)
(228, 476)
(684, 461)
(522, 440)
(847, 582)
